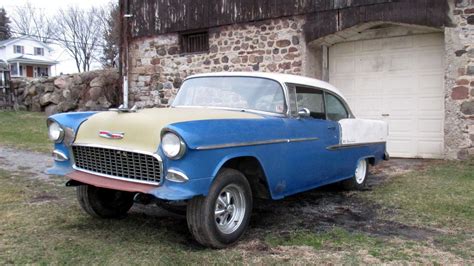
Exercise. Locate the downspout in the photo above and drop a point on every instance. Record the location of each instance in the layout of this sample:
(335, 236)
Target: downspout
(125, 38)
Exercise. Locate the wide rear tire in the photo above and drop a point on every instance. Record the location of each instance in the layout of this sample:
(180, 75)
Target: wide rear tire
(221, 218)
(104, 203)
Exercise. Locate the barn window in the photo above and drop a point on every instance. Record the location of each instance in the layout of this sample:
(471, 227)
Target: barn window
(195, 42)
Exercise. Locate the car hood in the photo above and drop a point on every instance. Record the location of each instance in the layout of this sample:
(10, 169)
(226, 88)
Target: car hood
(141, 130)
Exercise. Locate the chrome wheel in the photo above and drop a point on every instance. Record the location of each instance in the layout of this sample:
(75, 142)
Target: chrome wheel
(230, 209)
(361, 171)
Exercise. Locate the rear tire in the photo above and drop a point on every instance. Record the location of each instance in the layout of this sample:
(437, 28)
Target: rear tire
(222, 217)
(104, 203)
(359, 180)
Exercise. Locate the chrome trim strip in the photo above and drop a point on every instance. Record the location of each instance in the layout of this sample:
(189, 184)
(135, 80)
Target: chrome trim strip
(185, 177)
(252, 111)
(157, 156)
(253, 143)
(352, 145)
(60, 156)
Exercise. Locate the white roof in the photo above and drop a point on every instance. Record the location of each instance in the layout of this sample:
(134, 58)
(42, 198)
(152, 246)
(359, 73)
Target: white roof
(282, 78)
(15, 40)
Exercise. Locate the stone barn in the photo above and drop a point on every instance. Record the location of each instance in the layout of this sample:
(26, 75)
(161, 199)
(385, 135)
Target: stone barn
(408, 62)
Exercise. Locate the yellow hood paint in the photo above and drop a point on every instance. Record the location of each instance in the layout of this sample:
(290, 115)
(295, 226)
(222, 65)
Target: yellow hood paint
(142, 129)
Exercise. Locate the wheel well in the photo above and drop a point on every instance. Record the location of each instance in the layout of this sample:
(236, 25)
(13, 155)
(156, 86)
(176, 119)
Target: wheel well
(253, 171)
(371, 161)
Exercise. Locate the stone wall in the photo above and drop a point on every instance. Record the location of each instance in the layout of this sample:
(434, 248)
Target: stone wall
(459, 120)
(95, 90)
(157, 67)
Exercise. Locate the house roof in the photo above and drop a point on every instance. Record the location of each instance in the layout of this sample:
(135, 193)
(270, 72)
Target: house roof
(31, 59)
(282, 78)
(15, 40)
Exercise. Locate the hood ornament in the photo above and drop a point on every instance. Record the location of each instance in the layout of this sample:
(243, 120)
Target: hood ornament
(111, 135)
(122, 109)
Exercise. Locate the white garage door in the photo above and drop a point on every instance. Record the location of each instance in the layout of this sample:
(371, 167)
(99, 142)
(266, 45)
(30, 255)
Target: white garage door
(400, 80)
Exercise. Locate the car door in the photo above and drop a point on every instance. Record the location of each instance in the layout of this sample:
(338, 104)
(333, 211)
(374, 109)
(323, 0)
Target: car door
(310, 162)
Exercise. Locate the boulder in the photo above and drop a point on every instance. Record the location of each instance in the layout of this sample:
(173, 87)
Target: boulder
(49, 98)
(51, 109)
(62, 82)
(95, 93)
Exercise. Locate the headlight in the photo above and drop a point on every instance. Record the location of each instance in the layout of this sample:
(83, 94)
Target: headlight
(55, 132)
(173, 146)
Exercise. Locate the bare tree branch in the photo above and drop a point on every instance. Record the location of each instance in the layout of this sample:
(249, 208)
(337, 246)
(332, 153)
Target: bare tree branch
(80, 33)
(31, 21)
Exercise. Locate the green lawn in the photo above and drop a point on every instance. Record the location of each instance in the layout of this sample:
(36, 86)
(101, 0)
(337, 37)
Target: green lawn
(26, 130)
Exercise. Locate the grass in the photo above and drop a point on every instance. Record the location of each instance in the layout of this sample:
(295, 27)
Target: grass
(25, 130)
(440, 196)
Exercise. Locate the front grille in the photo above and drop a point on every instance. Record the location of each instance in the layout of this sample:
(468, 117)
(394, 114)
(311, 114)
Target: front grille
(117, 163)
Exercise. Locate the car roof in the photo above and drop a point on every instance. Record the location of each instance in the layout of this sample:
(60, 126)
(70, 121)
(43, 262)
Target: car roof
(282, 78)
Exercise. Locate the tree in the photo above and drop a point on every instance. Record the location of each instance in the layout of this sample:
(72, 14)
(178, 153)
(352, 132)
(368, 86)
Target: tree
(5, 32)
(111, 35)
(32, 21)
(80, 33)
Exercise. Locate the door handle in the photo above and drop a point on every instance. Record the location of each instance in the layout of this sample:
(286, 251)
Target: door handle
(385, 115)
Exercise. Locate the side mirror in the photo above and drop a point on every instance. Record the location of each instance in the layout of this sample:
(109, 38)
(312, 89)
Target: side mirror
(304, 112)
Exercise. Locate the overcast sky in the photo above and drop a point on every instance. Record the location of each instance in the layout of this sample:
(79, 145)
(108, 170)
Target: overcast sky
(66, 62)
(51, 6)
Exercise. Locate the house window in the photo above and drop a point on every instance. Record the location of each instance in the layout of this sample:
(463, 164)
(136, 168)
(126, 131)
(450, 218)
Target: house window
(18, 49)
(15, 71)
(195, 42)
(39, 51)
(43, 71)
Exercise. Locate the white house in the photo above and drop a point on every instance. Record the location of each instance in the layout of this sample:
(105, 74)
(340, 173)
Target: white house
(27, 57)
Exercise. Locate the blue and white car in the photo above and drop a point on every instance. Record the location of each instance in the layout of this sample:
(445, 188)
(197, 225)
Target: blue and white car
(227, 139)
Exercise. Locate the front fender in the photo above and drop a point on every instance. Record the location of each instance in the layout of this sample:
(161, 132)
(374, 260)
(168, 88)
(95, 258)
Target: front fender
(70, 123)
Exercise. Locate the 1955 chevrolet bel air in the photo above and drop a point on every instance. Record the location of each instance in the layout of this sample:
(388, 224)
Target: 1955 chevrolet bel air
(227, 139)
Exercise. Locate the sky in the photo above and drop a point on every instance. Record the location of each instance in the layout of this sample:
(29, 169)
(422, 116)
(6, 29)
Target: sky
(50, 7)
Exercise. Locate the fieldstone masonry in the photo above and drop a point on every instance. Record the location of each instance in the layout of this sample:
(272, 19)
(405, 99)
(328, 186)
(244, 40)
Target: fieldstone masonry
(459, 120)
(157, 67)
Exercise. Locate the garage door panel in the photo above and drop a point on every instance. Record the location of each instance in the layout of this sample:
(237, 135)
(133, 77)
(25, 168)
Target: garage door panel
(369, 45)
(431, 104)
(402, 77)
(429, 40)
(370, 64)
(429, 60)
(431, 84)
(402, 147)
(430, 128)
(399, 62)
(344, 65)
(398, 43)
(430, 148)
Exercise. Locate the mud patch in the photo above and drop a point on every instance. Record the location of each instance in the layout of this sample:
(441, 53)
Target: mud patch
(43, 197)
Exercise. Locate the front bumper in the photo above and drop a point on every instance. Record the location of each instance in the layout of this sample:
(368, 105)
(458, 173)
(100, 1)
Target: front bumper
(166, 191)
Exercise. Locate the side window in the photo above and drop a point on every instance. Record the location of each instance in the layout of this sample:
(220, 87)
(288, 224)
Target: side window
(335, 109)
(312, 99)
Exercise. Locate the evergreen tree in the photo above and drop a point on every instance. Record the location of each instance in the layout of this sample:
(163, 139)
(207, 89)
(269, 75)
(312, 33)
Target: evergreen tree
(5, 32)
(111, 37)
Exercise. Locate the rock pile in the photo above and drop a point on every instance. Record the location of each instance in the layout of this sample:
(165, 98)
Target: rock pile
(95, 90)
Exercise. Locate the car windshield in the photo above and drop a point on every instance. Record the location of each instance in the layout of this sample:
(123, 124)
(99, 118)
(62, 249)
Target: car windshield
(232, 92)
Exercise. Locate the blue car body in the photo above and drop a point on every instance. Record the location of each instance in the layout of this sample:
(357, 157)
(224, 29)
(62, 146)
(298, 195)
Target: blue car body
(294, 154)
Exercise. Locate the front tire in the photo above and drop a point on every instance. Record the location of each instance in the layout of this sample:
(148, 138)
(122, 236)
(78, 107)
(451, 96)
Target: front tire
(222, 217)
(359, 180)
(104, 203)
